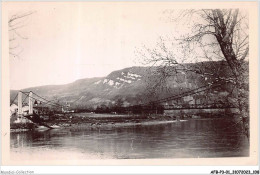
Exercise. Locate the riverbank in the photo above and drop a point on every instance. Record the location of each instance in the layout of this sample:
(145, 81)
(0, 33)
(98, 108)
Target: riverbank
(104, 121)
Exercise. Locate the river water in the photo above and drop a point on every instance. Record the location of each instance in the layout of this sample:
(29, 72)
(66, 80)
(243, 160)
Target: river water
(189, 139)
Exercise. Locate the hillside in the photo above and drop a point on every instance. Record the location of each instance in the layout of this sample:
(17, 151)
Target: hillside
(134, 85)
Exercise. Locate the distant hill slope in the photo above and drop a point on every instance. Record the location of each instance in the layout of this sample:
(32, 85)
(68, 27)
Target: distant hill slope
(134, 85)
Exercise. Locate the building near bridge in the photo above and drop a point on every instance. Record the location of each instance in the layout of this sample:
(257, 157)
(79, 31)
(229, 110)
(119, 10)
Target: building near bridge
(13, 109)
(40, 108)
(67, 108)
(14, 118)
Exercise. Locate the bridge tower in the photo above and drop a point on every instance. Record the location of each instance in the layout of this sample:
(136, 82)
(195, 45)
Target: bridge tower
(30, 103)
(20, 105)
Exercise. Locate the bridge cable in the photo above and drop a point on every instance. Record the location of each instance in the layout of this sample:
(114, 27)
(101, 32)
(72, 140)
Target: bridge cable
(25, 98)
(47, 101)
(44, 102)
(183, 94)
(13, 99)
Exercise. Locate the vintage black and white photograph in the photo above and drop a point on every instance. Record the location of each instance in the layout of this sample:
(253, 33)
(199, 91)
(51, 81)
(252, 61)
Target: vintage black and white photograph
(128, 80)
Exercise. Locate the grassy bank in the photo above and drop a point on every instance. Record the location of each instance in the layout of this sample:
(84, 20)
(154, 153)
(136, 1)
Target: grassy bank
(91, 121)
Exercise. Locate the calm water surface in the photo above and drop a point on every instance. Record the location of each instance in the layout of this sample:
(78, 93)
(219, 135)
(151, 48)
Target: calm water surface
(190, 139)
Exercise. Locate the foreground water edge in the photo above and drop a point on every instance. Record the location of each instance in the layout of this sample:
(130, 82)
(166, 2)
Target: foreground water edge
(190, 139)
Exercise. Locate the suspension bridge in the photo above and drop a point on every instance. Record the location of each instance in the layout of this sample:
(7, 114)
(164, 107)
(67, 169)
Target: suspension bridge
(36, 107)
(187, 100)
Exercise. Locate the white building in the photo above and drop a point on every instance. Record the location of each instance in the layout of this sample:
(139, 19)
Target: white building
(13, 109)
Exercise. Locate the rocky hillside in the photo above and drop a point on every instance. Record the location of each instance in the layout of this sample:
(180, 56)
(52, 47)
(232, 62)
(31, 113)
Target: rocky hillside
(130, 86)
(90, 92)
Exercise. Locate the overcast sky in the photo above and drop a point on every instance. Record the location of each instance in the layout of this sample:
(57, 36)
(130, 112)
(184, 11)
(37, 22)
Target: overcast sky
(67, 42)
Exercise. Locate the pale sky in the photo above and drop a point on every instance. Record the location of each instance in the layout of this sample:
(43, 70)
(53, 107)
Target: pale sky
(67, 41)
(71, 41)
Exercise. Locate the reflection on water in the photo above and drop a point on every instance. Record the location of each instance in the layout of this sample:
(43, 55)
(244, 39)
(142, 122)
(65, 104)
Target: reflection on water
(190, 139)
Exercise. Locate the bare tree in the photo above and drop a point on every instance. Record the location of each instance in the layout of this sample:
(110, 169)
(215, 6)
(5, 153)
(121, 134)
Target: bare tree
(213, 34)
(15, 24)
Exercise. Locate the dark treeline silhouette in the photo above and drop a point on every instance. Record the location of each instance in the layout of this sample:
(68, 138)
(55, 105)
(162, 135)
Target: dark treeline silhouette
(136, 109)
